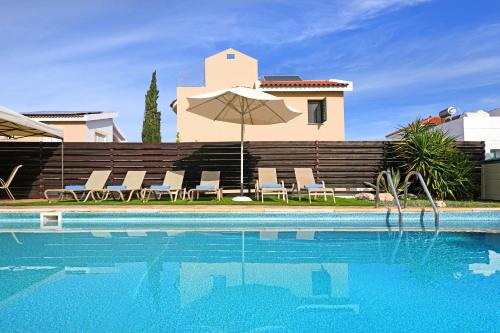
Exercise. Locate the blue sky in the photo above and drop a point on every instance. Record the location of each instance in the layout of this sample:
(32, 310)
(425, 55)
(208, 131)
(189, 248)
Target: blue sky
(407, 58)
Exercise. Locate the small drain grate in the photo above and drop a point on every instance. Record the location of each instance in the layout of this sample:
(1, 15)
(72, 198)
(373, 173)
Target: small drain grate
(50, 220)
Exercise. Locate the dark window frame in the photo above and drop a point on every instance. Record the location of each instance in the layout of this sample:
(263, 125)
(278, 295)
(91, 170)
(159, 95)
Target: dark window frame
(320, 112)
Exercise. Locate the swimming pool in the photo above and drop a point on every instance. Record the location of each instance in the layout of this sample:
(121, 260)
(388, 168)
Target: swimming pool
(307, 280)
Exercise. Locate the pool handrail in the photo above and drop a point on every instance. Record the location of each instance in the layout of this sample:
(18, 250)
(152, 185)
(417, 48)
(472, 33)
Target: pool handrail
(394, 194)
(427, 193)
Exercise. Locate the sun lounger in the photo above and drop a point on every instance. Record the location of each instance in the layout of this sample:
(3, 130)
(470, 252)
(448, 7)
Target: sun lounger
(4, 185)
(209, 184)
(132, 184)
(268, 184)
(172, 185)
(306, 182)
(96, 181)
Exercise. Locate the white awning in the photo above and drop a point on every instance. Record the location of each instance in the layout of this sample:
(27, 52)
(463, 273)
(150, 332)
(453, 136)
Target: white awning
(15, 125)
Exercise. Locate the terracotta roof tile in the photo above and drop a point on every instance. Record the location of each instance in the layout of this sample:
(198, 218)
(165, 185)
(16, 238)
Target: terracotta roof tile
(59, 114)
(303, 83)
(431, 120)
(54, 115)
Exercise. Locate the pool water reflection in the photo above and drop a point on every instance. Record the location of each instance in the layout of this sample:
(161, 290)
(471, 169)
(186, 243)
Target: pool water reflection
(249, 282)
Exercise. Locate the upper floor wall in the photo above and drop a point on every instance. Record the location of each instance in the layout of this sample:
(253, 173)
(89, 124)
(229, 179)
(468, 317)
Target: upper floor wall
(230, 68)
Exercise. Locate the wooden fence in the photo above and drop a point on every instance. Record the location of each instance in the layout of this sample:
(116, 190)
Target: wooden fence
(344, 165)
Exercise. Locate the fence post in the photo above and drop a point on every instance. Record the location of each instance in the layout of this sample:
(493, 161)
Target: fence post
(41, 184)
(112, 159)
(386, 155)
(316, 163)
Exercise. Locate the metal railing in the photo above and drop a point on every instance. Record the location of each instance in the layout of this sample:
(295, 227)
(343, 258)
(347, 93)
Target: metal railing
(394, 194)
(427, 193)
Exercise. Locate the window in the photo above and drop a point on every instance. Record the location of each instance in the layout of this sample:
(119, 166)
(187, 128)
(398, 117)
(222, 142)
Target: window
(316, 111)
(100, 137)
(230, 56)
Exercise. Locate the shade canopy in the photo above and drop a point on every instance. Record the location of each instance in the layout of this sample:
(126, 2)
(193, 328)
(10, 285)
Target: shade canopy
(229, 105)
(15, 125)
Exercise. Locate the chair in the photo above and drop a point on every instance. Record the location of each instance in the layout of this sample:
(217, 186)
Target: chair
(305, 182)
(96, 181)
(132, 184)
(268, 184)
(172, 185)
(4, 185)
(209, 184)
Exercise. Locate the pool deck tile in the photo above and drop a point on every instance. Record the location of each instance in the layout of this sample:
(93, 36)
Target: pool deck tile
(227, 209)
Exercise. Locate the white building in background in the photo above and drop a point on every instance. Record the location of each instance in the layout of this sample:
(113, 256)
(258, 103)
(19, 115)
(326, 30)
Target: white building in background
(468, 126)
(477, 126)
(80, 126)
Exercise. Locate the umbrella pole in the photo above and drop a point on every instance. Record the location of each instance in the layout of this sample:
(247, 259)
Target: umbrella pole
(62, 163)
(241, 154)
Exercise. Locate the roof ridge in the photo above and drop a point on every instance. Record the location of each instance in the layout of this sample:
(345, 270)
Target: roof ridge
(323, 83)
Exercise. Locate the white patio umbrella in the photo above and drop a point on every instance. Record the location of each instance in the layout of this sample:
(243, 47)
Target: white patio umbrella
(243, 106)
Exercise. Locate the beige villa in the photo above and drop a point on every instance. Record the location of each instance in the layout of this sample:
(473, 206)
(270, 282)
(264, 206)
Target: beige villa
(320, 101)
(79, 126)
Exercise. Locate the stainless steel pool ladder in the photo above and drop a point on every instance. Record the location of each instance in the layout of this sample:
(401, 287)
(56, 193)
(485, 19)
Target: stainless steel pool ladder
(427, 193)
(394, 194)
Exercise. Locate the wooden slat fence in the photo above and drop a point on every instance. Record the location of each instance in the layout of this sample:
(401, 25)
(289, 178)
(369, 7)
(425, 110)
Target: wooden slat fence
(346, 164)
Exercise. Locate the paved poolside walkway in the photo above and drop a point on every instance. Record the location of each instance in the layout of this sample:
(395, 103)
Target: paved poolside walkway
(222, 208)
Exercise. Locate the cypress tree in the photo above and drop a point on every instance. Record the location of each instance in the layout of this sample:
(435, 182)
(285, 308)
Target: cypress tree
(151, 131)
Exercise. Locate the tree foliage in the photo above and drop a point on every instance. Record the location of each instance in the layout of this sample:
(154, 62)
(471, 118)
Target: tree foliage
(151, 130)
(430, 151)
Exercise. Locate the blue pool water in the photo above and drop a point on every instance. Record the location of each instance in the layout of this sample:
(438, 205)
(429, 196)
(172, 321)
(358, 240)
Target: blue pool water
(269, 281)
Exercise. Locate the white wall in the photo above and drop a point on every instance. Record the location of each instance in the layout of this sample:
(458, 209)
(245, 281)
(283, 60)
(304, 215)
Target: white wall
(103, 126)
(485, 129)
(454, 128)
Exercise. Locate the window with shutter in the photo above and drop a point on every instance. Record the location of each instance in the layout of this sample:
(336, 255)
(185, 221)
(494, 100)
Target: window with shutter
(323, 110)
(316, 111)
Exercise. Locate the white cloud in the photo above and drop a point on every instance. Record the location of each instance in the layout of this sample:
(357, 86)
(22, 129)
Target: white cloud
(191, 23)
(98, 44)
(434, 74)
(458, 60)
(329, 17)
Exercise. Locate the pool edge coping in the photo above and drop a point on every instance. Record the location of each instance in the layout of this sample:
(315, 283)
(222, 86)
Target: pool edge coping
(231, 209)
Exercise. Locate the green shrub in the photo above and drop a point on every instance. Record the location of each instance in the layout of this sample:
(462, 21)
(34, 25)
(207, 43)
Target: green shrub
(384, 184)
(430, 151)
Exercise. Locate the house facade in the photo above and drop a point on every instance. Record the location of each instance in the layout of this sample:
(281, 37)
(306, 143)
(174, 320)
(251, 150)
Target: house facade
(80, 126)
(320, 101)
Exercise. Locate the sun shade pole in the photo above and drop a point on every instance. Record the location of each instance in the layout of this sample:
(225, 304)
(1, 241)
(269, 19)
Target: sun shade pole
(241, 152)
(62, 163)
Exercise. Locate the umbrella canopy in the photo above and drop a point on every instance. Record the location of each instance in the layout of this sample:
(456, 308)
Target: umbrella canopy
(244, 106)
(13, 124)
(233, 105)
